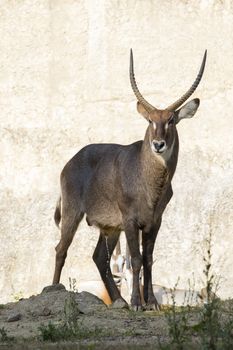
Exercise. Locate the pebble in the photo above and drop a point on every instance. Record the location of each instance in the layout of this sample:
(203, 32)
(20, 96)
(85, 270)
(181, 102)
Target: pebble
(14, 317)
(53, 288)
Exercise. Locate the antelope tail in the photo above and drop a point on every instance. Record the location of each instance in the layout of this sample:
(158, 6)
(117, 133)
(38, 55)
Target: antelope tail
(57, 213)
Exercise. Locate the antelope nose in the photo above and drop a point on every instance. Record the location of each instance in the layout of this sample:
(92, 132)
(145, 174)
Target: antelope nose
(159, 145)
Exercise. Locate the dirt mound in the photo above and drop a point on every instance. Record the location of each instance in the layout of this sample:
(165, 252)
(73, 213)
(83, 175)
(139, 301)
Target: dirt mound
(31, 320)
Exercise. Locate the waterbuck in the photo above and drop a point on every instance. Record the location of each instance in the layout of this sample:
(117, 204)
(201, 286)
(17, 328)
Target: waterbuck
(124, 188)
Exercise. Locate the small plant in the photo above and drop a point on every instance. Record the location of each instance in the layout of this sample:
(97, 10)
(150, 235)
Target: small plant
(213, 329)
(51, 332)
(59, 332)
(71, 327)
(178, 318)
(4, 336)
(72, 284)
(71, 313)
(210, 321)
(226, 332)
(17, 296)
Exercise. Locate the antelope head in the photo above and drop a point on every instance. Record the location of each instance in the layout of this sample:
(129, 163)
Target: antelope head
(162, 123)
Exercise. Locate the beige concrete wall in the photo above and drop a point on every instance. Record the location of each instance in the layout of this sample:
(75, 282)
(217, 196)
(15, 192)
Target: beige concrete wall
(64, 83)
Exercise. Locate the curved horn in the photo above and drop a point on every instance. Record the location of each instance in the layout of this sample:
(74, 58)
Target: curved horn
(183, 98)
(139, 96)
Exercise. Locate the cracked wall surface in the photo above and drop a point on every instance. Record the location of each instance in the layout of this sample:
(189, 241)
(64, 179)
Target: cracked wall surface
(64, 83)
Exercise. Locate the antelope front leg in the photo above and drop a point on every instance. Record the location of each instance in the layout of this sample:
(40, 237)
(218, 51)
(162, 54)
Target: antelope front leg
(101, 257)
(148, 241)
(132, 236)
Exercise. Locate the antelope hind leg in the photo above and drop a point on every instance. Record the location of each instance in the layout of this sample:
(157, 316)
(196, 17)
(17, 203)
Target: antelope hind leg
(69, 226)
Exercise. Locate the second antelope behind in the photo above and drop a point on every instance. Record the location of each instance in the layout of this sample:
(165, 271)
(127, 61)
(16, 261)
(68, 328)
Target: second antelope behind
(124, 188)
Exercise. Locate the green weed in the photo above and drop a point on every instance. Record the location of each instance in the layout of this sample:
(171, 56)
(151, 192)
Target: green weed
(4, 337)
(71, 328)
(213, 327)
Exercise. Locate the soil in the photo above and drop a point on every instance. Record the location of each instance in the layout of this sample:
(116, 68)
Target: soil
(101, 327)
(61, 319)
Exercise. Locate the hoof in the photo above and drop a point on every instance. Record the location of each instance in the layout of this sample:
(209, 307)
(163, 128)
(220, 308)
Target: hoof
(136, 308)
(119, 304)
(152, 307)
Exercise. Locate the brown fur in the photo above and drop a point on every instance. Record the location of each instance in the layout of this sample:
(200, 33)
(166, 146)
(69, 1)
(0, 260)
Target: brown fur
(121, 188)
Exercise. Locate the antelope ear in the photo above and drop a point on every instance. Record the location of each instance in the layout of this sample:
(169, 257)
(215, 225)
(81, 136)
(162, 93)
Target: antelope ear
(188, 110)
(141, 109)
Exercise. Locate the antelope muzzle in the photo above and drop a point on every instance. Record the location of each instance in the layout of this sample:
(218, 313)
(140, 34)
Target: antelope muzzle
(158, 146)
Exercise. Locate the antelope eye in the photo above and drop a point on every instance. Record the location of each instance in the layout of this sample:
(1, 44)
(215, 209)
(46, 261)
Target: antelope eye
(150, 121)
(171, 120)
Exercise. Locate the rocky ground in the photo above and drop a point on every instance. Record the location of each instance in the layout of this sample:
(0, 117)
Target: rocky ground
(60, 319)
(24, 324)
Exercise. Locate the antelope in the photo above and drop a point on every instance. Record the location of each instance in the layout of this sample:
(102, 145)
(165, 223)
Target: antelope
(124, 188)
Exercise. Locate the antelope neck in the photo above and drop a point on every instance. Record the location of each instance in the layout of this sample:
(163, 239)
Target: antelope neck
(154, 165)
